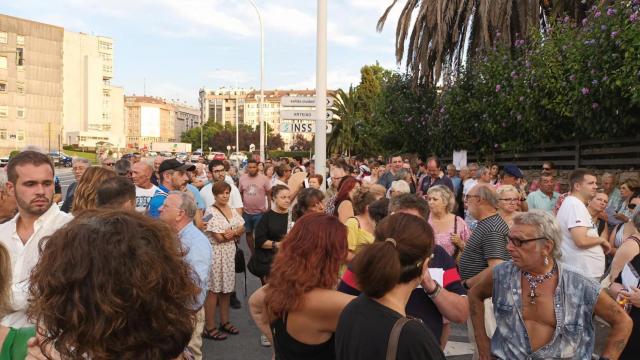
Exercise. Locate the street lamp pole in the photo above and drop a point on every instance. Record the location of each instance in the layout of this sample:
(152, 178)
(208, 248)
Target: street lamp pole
(260, 103)
(321, 90)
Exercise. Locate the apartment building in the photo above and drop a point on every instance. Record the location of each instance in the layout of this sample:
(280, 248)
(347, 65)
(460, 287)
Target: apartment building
(219, 106)
(148, 120)
(185, 118)
(93, 109)
(31, 87)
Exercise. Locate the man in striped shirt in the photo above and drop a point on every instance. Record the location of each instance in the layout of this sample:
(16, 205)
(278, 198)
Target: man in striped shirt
(486, 248)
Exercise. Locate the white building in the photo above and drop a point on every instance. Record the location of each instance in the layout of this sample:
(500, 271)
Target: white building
(93, 109)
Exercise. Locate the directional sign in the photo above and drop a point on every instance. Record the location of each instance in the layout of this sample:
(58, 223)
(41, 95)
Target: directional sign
(302, 115)
(303, 101)
(301, 127)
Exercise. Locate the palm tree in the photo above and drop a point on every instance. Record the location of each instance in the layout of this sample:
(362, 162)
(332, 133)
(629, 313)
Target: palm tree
(447, 32)
(344, 136)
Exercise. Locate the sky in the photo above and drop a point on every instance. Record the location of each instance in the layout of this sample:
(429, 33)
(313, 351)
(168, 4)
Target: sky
(172, 48)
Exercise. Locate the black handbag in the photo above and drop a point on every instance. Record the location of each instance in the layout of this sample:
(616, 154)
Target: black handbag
(260, 263)
(240, 264)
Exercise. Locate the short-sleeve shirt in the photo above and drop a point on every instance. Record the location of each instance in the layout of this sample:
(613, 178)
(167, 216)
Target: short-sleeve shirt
(420, 306)
(254, 191)
(143, 197)
(539, 200)
(591, 262)
(219, 224)
(488, 241)
(364, 328)
(197, 197)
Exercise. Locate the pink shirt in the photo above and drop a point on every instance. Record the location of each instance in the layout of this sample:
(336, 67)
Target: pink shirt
(444, 239)
(254, 191)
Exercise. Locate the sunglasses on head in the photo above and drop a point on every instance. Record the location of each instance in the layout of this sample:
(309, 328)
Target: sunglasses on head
(631, 206)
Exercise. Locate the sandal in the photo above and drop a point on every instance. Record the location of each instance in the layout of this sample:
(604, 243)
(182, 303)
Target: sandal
(228, 328)
(214, 334)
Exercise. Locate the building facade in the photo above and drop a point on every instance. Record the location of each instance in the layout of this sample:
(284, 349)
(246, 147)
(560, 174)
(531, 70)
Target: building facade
(93, 109)
(185, 118)
(31, 87)
(148, 120)
(219, 106)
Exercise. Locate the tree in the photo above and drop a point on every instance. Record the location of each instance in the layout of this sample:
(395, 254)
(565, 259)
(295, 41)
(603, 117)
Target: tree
(445, 33)
(348, 134)
(300, 143)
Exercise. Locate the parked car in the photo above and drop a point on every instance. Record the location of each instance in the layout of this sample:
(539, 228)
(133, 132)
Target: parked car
(237, 156)
(182, 156)
(60, 159)
(4, 161)
(217, 156)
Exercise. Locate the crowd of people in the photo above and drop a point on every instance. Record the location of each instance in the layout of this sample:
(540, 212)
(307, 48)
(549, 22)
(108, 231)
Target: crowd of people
(139, 259)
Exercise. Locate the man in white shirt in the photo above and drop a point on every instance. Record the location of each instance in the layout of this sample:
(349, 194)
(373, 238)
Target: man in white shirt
(582, 248)
(216, 170)
(141, 173)
(30, 175)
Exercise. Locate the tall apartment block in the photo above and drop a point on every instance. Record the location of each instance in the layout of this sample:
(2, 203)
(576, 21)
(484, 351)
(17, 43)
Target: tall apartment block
(31, 88)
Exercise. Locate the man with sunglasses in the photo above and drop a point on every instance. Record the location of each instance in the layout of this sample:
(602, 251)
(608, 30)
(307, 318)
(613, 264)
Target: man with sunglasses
(582, 247)
(543, 308)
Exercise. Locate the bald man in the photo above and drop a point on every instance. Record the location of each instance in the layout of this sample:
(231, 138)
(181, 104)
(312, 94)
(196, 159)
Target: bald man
(141, 173)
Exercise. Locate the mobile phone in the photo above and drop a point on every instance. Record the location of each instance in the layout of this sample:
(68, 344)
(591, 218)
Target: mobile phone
(207, 217)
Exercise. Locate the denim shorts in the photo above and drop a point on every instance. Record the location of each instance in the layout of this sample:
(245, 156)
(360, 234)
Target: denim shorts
(251, 221)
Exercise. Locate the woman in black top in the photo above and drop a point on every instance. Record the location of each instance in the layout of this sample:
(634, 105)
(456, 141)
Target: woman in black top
(271, 230)
(388, 271)
(298, 309)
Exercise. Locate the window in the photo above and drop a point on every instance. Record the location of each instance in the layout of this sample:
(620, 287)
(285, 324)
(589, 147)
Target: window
(3, 86)
(3, 134)
(3, 62)
(19, 56)
(3, 38)
(4, 111)
(20, 135)
(20, 112)
(104, 45)
(19, 40)
(20, 87)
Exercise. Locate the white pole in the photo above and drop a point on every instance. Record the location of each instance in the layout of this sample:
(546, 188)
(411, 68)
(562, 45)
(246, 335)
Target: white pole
(237, 136)
(321, 91)
(260, 115)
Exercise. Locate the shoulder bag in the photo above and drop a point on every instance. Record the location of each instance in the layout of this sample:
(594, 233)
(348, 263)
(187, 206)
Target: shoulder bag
(394, 338)
(239, 257)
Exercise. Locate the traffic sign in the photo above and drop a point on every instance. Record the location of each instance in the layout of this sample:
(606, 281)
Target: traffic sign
(301, 127)
(302, 115)
(303, 101)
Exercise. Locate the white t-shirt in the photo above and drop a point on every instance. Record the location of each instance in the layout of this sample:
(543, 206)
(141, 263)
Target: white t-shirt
(143, 196)
(573, 213)
(235, 199)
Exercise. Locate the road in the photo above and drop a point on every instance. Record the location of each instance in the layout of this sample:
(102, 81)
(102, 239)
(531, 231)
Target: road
(246, 345)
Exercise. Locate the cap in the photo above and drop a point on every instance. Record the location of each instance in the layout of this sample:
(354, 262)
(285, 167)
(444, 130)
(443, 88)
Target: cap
(365, 169)
(173, 164)
(513, 170)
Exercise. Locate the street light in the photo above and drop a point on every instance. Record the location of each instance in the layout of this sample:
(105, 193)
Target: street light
(260, 117)
(321, 90)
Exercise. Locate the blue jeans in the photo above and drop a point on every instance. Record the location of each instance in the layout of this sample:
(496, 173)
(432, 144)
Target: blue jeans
(251, 221)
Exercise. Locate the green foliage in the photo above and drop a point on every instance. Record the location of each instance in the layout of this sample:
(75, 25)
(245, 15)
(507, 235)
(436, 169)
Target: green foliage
(573, 81)
(218, 137)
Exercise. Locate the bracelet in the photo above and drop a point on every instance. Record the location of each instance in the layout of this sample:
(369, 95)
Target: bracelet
(434, 294)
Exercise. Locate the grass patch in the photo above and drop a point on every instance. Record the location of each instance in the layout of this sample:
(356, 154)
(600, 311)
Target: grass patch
(87, 155)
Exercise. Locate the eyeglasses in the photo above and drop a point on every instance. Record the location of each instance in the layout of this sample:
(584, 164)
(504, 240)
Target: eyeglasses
(510, 199)
(108, 164)
(546, 168)
(518, 242)
(631, 206)
(467, 197)
(217, 171)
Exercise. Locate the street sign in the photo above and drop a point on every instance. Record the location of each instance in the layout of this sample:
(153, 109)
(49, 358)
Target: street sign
(303, 101)
(301, 127)
(302, 115)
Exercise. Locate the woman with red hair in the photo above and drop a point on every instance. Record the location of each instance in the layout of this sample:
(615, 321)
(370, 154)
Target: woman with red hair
(299, 309)
(343, 205)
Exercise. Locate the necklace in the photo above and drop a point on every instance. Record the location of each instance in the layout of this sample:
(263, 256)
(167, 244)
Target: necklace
(535, 280)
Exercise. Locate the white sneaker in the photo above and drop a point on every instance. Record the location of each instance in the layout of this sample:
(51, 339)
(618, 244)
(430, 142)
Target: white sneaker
(264, 341)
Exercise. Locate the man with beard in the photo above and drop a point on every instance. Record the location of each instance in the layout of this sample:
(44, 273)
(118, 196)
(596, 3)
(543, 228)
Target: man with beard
(173, 176)
(31, 183)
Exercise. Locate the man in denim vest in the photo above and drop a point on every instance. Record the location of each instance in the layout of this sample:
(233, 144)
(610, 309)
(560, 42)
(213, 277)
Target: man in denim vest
(543, 308)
